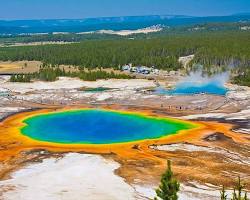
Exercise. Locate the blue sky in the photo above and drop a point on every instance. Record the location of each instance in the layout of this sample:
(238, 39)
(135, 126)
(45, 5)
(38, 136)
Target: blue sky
(75, 9)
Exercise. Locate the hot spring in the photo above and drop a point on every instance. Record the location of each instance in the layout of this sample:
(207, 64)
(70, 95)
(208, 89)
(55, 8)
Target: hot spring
(92, 126)
(192, 88)
(198, 83)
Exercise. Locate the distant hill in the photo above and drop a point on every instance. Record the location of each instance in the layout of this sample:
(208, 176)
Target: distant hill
(15, 27)
(242, 14)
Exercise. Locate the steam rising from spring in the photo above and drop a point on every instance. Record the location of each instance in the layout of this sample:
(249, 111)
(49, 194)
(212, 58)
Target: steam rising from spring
(197, 83)
(200, 78)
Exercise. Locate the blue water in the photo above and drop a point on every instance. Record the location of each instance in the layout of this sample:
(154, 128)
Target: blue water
(96, 90)
(98, 127)
(192, 88)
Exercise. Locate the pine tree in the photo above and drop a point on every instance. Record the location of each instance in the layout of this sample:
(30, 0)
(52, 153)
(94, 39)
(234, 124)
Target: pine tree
(245, 197)
(239, 188)
(238, 195)
(223, 194)
(237, 192)
(169, 186)
(234, 195)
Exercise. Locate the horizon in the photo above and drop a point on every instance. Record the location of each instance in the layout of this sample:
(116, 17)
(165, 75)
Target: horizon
(77, 9)
(47, 19)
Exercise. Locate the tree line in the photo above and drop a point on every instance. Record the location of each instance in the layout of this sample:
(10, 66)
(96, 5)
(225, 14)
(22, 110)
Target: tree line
(209, 48)
(52, 72)
(243, 77)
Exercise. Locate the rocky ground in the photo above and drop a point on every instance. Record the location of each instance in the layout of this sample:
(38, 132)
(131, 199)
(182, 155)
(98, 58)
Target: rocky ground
(71, 178)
